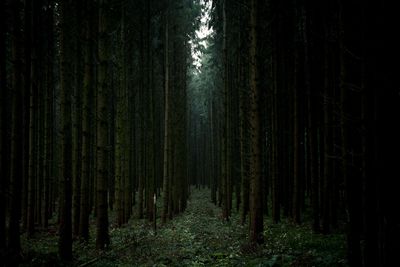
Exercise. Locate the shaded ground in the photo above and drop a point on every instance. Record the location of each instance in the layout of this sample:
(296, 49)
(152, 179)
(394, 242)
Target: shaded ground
(198, 237)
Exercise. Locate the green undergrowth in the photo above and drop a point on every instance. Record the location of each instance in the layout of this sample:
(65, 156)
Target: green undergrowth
(198, 237)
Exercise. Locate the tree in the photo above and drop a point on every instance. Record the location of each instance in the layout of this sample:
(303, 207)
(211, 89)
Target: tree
(166, 182)
(3, 126)
(30, 76)
(16, 178)
(66, 72)
(87, 106)
(256, 213)
(103, 239)
(122, 188)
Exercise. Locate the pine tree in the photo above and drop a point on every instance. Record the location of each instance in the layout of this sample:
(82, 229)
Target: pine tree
(102, 239)
(66, 72)
(256, 213)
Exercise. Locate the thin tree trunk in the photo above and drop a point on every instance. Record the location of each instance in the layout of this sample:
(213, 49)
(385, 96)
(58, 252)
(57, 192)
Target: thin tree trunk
(31, 71)
(326, 142)
(87, 94)
(243, 149)
(296, 143)
(256, 211)
(3, 126)
(14, 245)
(275, 137)
(166, 126)
(66, 72)
(224, 139)
(103, 239)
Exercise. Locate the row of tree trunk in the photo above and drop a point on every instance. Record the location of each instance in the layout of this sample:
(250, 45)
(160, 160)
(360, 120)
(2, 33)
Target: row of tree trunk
(300, 92)
(93, 116)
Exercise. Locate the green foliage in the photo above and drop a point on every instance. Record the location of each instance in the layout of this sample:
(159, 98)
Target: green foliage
(198, 237)
(299, 246)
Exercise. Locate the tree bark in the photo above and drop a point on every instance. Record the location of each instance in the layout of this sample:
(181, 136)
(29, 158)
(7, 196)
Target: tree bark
(166, 125)
(103, 239)
(14, 245)
(3, 126)
(87, 95)
(66, 73)
(256, 212)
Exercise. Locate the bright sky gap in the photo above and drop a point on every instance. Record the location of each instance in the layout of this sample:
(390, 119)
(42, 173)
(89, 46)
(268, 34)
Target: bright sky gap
(204, 31)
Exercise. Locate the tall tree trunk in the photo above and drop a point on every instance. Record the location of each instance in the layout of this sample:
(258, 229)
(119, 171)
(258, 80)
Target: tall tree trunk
(14, 245)
(66, 76)
(224, 139)
(87, 95)
(118, 150)
(49, 113)
(256, 211)
(326, 181)
(243, 147)
(275, 137)
(3, 126)
(33, 91)
(296, 153)
(166, 125)
(213, 142)
(103, 239)
(77, 118)
(311, 145)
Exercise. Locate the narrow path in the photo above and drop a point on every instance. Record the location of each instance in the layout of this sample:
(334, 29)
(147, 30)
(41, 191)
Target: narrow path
(199, 237)
(195, 238)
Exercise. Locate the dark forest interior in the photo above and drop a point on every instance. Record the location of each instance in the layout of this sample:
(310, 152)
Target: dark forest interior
(199, 132)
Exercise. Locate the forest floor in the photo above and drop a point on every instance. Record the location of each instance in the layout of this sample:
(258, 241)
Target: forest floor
(197, 237)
